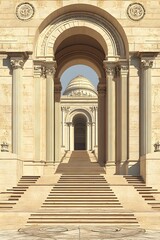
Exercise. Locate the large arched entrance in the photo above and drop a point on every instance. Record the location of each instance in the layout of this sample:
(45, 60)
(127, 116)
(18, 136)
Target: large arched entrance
(97, 40)
(80, 132)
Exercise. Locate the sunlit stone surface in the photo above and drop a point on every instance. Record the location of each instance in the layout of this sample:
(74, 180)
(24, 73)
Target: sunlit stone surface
(87, 233)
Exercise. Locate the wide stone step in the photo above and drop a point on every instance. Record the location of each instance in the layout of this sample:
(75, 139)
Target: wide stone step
(75, 191)
(81, 200)
(82, 184)
(84, 205)
(81, 197)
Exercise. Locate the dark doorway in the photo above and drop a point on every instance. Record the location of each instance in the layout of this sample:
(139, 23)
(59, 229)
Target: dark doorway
(80, 133)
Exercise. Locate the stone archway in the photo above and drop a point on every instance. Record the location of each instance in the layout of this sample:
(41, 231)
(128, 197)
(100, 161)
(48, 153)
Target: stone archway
(106, 52)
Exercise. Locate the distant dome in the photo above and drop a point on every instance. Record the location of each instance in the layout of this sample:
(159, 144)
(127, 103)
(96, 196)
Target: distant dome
(80, 87)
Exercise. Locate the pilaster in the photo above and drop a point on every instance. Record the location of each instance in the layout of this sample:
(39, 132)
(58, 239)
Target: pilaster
(145, 109)
(101, 122)
(17, 62)
(57, 96)
(50, 69)
(110, 111)
(122, 117)
(38, 109)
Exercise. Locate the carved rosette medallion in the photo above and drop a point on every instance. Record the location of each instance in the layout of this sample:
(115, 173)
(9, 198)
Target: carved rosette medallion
(136, 11)
(25, 11)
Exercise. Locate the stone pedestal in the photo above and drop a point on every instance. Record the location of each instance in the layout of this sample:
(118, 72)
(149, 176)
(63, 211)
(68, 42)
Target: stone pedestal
(150, 168)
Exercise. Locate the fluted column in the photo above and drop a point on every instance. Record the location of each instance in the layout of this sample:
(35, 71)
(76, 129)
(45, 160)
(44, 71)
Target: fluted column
(145, 109)
(122, 122)
(17, 64)
(57, 89)
(50, 151)
(101, 122)
(110, 111)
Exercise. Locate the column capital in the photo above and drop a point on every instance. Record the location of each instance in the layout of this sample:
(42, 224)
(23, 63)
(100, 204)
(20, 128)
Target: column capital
(50, 68)
(17, 62)
(39, 69)
(146, 63)
(109, 67)
(17, 59)
(146, 59)
(101, 88)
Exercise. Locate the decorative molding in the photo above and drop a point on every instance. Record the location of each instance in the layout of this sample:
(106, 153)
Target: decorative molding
(81, 93)
(136, 11)
(25, 11)
(4, 147)
(48, 37)
(65, 109)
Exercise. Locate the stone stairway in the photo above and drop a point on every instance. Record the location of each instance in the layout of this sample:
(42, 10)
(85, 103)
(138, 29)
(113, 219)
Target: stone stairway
(82, 196)
(146, 192)
(11, 196)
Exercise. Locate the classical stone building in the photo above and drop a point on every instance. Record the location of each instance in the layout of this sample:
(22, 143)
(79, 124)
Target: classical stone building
(79, 116)
(120, 41)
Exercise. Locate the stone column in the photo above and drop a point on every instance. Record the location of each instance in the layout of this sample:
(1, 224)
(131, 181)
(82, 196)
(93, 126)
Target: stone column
(122, 122)
(38, 75)
(101, 122)
(50, 151)
(57, 91)
(110, 112)
(17, 63)
(62, 128)
(88, 136)
(96, 126)
(93, 136)
(145, 106)
(67, 143)
(71, 137)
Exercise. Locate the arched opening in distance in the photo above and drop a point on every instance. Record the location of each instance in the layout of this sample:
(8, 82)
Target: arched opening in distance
(80, 132)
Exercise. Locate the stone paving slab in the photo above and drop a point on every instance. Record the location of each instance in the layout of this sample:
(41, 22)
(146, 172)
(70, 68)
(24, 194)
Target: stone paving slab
(79, 233)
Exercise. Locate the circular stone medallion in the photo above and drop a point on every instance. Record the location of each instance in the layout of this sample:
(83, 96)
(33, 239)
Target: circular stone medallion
(25, 11)
(136, 11)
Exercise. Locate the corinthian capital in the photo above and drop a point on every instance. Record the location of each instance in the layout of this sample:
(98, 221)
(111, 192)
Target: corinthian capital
(17, 63)
(109, 67)
(50, 68)
(146, 63)
(50, 71)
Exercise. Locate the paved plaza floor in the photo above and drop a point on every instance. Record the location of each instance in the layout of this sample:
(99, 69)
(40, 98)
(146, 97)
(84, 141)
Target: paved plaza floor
(78, 233)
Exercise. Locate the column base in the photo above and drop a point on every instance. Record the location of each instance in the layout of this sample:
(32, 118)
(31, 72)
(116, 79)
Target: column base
(110, 168)
(133, 167)
(150, 168)
(122, 168)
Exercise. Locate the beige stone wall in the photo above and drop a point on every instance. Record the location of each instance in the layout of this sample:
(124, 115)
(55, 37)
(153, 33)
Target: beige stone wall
(156, 101)
(5, 101)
